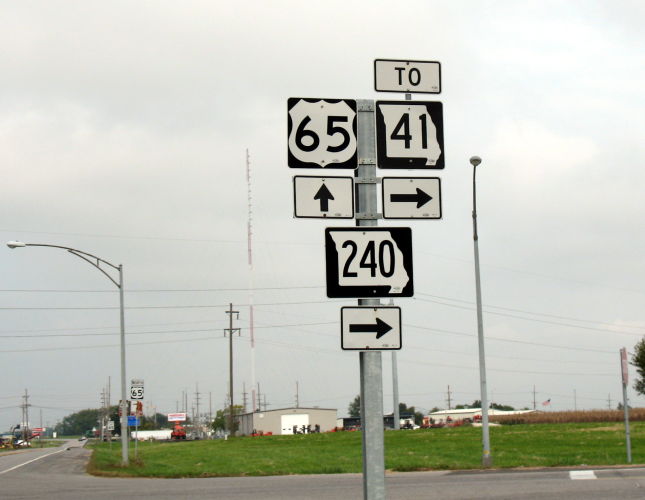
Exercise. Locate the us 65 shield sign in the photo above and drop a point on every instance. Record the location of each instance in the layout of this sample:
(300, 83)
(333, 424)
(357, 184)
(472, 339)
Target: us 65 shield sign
(369, 262)
(409, 134)
(322, 133)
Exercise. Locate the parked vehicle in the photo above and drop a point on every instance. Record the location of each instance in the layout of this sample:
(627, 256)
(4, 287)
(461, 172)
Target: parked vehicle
(178, 432)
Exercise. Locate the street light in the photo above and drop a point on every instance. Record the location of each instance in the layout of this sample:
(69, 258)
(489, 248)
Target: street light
(96, 262)
(487, 459)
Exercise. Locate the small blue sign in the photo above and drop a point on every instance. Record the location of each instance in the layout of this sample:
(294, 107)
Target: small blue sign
(133, 421)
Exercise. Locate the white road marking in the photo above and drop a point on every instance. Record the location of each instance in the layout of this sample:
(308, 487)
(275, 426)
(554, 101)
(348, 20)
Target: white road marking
(582, 474)
(30, 461)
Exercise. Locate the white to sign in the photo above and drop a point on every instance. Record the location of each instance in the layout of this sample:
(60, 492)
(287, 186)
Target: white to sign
(366, 328)
(322, 133)
(110, 425)
(176, 417)
(411, 197)
(409, 134)
(323, 197)
(136, 392)
(369, 262)
(392, 75)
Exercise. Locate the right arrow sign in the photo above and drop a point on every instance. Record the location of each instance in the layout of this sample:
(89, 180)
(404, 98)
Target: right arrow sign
(370, 328)
(411, 197)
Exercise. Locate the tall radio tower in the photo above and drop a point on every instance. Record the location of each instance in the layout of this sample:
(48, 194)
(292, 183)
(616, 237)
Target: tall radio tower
(250, 262)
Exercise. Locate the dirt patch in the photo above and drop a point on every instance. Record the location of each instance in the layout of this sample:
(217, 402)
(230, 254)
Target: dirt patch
(616, 427)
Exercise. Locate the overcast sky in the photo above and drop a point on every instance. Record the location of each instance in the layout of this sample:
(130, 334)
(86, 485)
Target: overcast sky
(123, 133)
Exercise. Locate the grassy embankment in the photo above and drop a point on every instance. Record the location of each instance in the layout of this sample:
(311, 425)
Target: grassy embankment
(522, 445)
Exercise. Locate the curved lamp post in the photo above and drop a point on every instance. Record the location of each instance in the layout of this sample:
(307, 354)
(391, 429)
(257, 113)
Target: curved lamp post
(96, 262)
(487, 459)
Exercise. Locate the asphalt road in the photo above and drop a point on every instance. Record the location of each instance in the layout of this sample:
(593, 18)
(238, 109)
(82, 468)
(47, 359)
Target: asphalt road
(59, 474)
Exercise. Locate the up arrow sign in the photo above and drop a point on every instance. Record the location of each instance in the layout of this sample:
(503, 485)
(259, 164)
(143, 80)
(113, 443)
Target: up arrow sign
(328, 197)
(324, 195)
(364, 328)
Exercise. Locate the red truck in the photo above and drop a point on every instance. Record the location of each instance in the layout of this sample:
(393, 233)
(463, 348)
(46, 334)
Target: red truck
(178, 432)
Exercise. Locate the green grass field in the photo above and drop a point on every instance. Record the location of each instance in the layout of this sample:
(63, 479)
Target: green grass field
(543, 445)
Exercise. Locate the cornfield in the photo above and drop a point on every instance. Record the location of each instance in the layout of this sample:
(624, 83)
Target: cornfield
(568, 417)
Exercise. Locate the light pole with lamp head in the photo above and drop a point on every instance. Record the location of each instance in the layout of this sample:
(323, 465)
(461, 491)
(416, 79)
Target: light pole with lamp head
(96, 262)
(487, 459)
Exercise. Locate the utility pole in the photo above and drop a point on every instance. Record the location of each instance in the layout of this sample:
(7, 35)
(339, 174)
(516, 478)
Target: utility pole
(210, 409)
(102, 415)
(25, 416)
(259, 398)
(244, 395)
(625, 377)
(609, 401)
(575, 401)
(297, 398)
(534, 397)
(449, 400)
(197, 420)
(230, 331)
(109, 400)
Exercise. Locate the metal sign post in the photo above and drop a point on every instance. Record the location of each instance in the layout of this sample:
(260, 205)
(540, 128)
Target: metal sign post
(370, 361)
(624, 371)
(136, 393)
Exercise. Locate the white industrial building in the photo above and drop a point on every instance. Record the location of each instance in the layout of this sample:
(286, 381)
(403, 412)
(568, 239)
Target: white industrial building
(444, 416)
(159, 435)
(283, 421)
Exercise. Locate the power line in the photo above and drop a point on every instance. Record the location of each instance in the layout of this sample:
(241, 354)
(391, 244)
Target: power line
(210, 306)
(164, 290)
(488, 337)
(532, 312)
(156, 332)
(534, 319)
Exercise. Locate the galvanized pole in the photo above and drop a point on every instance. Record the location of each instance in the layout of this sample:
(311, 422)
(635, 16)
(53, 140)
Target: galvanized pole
(396, 417)
(96, 262)
(628, 441)
(125, 455)
(395, 393)
(230, 367)
(370, 361)
(487, 459)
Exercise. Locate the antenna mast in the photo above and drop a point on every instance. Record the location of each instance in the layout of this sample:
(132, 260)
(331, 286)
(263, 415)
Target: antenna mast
(249, 227)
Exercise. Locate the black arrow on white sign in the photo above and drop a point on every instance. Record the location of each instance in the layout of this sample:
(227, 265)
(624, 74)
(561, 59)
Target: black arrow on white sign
(420, 198)
(324, 195)
(380, 328)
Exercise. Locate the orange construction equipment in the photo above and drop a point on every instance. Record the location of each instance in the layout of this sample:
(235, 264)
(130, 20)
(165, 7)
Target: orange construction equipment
(178, 432)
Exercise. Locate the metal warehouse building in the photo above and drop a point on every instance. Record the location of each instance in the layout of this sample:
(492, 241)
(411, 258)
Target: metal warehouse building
(282, 422)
